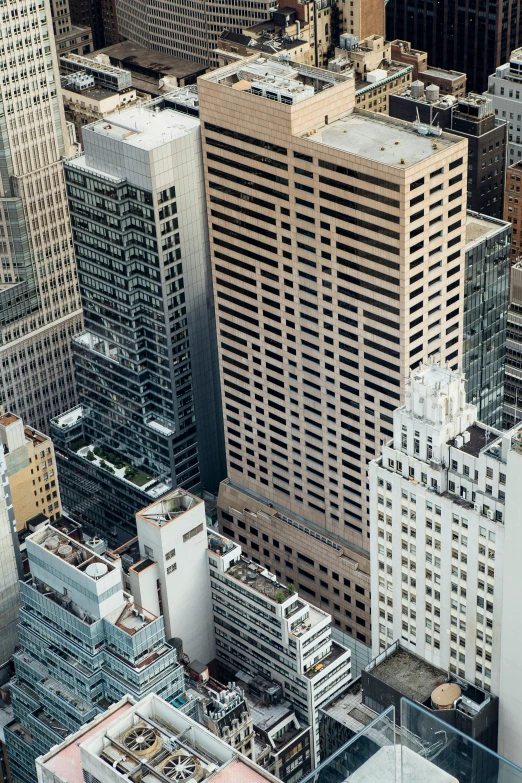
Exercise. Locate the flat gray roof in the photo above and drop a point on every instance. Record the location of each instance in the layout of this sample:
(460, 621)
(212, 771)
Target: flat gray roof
(381, 138)
(442, 73)
(133, 56)
(414, 677)
(480, 226)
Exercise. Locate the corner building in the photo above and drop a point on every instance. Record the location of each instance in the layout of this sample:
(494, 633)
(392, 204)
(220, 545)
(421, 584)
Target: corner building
(337, 248)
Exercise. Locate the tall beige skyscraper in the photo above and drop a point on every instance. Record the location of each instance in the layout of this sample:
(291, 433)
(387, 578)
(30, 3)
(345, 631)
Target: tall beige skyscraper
(39, 300)
(337, 245)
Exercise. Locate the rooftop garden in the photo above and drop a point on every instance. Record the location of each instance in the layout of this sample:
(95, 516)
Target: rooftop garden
(114, 463)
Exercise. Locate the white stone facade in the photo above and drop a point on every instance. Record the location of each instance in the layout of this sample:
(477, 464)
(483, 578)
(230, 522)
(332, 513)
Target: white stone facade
(262, 627)
(505, 89)
(437, 508)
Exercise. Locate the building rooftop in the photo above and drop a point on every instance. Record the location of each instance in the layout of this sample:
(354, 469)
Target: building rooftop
(65, 760)
(119, 466)
(258, 578)
(140, 126)
(219, 544)
(149, 61)
(65, 548)
(348, 708)
(149, 741)
(478, 227)
(169, 508)
(131, 618)
(92, 93)
(277, 78)
(8, 418)
(265, 37)
(413, 677)
(380, 138)
(416, 679)
(480, 436)
(69, 418)
(442, 73)
(390, 70)
(441, 103)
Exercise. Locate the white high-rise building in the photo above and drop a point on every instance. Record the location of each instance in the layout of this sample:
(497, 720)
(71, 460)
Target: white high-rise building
(39, 299)
(505, 89)
(437, 508)
(173, 579)
(446, 538)
(510, 692)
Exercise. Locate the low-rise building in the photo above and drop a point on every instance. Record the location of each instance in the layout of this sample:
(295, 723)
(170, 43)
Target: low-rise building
(448, 82)
(31, 470)
(149, 740)
(263, 627)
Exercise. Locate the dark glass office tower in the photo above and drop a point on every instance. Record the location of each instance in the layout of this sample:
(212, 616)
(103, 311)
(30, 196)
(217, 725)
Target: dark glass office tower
(473, 36)
(485, 314)
(145, 365)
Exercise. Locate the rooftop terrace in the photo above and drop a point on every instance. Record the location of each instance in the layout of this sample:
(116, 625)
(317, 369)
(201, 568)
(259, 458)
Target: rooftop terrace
(336, 651)
(69, 418)
(480, 436)
(383, 139)
(256, 577)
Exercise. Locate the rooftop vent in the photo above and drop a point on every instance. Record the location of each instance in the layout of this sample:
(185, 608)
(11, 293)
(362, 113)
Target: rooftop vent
(141, 740)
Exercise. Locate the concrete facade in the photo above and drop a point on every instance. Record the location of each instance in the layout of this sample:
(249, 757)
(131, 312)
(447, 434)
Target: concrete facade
(173, 533)
(314, 350)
